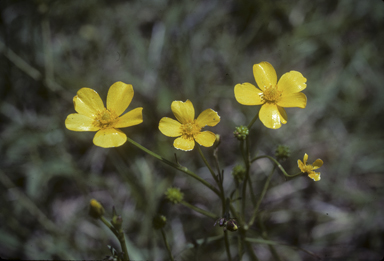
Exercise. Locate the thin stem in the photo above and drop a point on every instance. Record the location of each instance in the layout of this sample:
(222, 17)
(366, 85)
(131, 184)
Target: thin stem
(262, 196)
(176, 166)
(119, 235)
(166, 244)
(253, 196)
(236, 216)
(207, 164)
(201, 211)
(278, 165)
(246, 178)
(227, 249)
(253, 121)
(215, 177)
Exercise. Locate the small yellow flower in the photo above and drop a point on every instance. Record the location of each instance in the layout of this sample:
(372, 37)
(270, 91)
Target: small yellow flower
(93, 116)
(310, 168)
(273, 95)
(187, 128)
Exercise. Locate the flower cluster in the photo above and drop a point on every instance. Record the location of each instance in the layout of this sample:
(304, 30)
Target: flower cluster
(272, 95)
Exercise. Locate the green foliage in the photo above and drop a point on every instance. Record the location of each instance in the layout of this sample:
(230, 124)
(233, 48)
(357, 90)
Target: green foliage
(196, 50)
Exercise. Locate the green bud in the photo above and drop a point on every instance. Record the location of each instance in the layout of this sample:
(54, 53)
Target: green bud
(238, 173)
(241, 132)
(174, 195)
(96, 210)
(117, 222)
(159, 221)
(282, 153)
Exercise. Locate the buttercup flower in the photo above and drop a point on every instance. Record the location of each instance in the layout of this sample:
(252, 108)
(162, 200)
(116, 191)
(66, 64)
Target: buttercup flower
(187, 128)
(310, 168)
(93, 116)
(273, 95)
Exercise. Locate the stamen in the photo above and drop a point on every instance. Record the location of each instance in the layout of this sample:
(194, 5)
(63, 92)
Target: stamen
(189, 130)
(271, 94)
(105, 119)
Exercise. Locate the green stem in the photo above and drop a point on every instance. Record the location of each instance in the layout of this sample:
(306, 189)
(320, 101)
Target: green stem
(226, 242)
(207, 164)
(253, 121)
(278, 165)
(222, 197)
(199, 210)
(246, 178)
(167, 245)
(215, 177)
(176, 166)
(253, 196)
(119, 235)
(262, 196)
(236, 216)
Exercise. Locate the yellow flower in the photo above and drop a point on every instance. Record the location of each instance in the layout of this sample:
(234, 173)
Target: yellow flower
(187, 128)
(93, 116)
(310, 168)
(273, 95)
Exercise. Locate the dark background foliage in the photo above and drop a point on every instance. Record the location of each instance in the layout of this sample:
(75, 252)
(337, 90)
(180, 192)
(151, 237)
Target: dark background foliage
(198, 50)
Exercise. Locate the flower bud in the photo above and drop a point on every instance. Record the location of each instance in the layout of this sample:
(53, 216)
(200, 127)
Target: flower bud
(159, 221)
(117, 222)
(238, 173)
(174, 195)
(96, 210)
(232, 225)
(241, 132)
(282, 153)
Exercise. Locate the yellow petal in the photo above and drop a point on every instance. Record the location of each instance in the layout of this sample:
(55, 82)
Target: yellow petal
(183, 111)
(317, 164)
(208, 118)
(170, 127)
(283, 114)
(248, 94)
(305, 158)
(108, 138)
(265, 75)
(314, 175)
(131, 118)
(79, 122)
(205, 138)
(119, 97)
(301, 165)
(293, 100)
(184, 144)
(88, 102)
(292, 82)
(270, 116)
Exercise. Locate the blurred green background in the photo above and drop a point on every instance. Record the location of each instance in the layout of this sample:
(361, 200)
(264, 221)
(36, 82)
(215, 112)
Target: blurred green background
(198, 50)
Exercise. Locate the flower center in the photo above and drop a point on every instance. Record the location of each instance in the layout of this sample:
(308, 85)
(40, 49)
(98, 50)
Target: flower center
(105, 119)
(308, 168)
(189, 130)
(271, 94)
